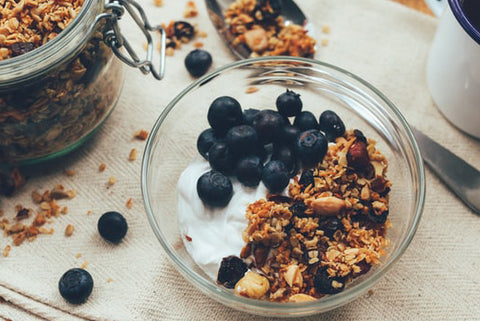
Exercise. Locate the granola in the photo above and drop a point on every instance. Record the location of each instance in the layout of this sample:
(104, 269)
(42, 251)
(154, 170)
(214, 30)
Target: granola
(330, 229)
(49, 113)
(258, 25)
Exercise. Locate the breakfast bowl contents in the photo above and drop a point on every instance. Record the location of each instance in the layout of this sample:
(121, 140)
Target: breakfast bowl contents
(292, 199)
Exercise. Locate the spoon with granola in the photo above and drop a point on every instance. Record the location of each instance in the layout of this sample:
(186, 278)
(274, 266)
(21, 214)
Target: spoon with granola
(254, 28)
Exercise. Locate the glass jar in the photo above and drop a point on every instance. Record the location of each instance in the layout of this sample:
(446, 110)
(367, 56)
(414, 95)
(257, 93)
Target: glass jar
(54, 97)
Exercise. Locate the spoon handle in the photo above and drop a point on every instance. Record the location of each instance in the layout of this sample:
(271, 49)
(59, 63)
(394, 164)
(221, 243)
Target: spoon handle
(462, 178)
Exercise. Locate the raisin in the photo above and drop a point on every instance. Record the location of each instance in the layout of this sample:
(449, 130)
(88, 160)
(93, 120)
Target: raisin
(183, 29)
(231, 271)
(306, 179)
(330, 226)
(298, 209)
(323, 283)
(20, 48)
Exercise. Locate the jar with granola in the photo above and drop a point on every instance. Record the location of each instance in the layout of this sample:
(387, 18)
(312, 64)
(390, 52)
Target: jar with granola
(59, 77)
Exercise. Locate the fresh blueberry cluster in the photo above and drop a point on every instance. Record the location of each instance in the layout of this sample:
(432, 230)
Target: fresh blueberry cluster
(261, 145)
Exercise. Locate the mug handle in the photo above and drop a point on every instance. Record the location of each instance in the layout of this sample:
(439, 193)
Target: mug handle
(436, 6)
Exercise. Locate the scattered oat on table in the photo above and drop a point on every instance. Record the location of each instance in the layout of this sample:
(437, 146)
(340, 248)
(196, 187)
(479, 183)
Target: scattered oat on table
(141, 134)
(132, 155)
(324, 42)
(158, 3)
(198, 44)
(190, 10)
(102, 167)
(84, 265)
(111, 181)
(6, 251)
(109, 280)
(78, 255)
(326, 29)
(129, 203)
(251, 90)
(70, 172)
(69, 230)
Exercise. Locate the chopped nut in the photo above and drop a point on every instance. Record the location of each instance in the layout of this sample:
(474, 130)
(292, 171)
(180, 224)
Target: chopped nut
(252, 285)
(293, 276)
(301, 297)
(69, 230)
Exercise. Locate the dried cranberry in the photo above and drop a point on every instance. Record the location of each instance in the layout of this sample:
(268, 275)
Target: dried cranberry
(232, 269)
(20, 48)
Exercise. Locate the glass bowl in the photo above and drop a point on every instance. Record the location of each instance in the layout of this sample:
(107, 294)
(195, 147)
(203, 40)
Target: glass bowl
(172, 145)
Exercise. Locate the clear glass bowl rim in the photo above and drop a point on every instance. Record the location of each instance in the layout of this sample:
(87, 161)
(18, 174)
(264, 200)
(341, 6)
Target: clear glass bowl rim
(328, 302)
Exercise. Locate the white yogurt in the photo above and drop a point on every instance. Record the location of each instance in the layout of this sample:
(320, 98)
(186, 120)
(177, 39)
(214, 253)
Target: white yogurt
(215, 232)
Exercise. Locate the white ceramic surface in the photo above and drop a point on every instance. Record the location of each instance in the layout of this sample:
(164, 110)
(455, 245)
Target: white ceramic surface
(436, 6)
(453, 72)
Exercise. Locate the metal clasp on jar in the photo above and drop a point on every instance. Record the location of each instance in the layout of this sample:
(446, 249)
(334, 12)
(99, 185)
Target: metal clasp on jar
(112, 36)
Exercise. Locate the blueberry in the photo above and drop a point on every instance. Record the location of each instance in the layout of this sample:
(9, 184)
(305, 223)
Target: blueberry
(220, 158)
(330, 225)
(305, 121)
(289, 104)
(288, 135)
(331, 125)
(268, 124)
(214, 189)
(248, 115)
(306, 179)
(197, 62)
(112, 226)
(275, 176)
(231, 270)
(75, 285)
(285, 154)
(224, 113)
(249, 170)
(205, 141)
(311, 147)
(323, 283)
(240, 139)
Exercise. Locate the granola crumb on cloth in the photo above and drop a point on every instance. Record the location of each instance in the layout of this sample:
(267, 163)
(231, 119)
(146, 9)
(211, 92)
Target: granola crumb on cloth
(289, 239)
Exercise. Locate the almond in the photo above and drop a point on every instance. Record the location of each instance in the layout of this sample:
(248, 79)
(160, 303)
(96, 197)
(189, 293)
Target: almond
(327, 206)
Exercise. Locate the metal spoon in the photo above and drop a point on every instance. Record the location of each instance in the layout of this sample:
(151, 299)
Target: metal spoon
(216, 10)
